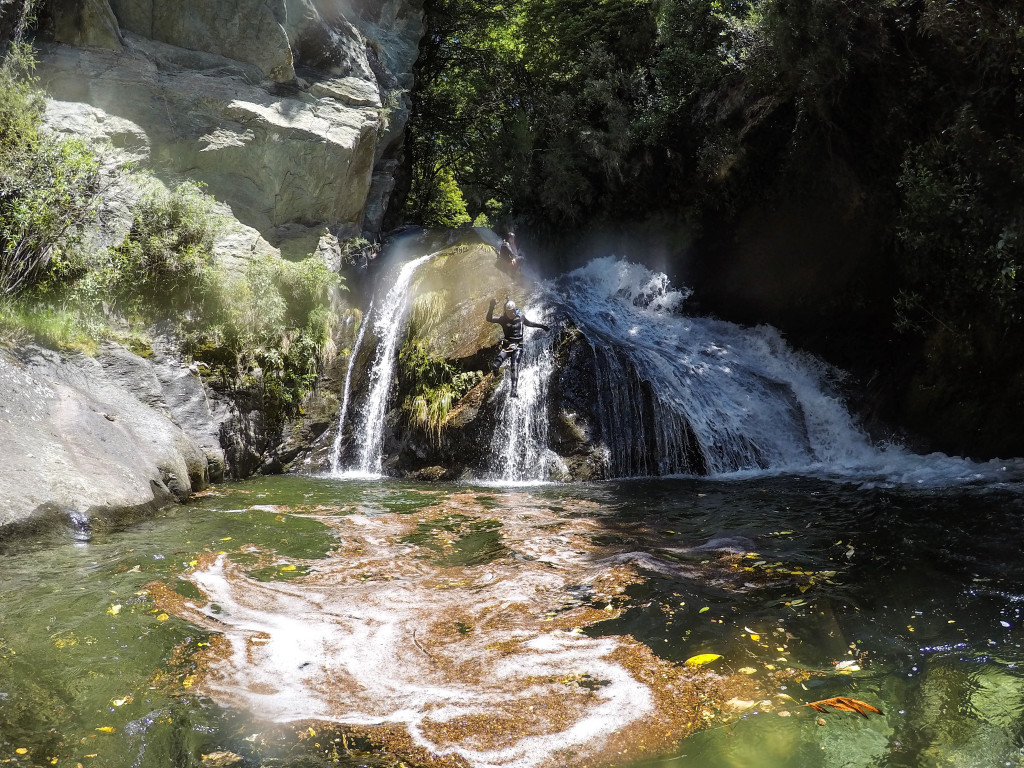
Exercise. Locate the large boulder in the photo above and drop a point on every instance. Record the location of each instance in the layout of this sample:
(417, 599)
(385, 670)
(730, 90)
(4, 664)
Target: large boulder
(290, 111)
(80, 435)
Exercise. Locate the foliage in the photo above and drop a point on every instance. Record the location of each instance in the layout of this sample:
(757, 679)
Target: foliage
(48, 185)
(959, 230)
(432, 385)
(572, 115)
(269, 333)
(166, 260)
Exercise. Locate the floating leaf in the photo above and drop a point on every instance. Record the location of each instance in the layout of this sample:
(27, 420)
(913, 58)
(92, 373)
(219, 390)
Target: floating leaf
(162, 617)
(701, 659)
(844, 704)
(114, 609)
(746, 670)
(21, 751)
(755, 638)
(288, 567)
(106, 729)
(705, 609)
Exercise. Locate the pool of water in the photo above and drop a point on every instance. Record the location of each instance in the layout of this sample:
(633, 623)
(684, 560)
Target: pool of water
(304, 622)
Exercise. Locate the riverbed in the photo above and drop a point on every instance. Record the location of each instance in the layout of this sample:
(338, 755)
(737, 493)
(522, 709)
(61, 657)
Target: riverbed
(672, 622)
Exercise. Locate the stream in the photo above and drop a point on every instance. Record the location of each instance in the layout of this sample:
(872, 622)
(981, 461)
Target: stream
(315, 621)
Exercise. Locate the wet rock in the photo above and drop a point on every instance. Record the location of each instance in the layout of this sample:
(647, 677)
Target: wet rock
(221, 759)
(112, 432)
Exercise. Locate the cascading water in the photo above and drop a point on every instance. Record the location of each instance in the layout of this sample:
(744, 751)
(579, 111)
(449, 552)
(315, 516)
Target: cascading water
(674, 394)
(684, 394)
(388, 326)
(519, 447)
(339, 438)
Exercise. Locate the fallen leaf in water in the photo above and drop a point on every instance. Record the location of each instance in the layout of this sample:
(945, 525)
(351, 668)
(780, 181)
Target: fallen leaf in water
(21, 751)
(114, 609)
(746, 670)
(844, 704)
(106, 729)
(162, 617)
(704, 609)
(701, 659)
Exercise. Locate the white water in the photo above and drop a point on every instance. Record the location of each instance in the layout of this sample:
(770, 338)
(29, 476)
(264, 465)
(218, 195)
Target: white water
(389, 324)
(338, 439)
(685, 395)
(519, 447)
(673, 395)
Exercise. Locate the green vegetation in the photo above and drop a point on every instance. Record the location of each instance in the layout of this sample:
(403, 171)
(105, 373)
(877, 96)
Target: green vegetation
(48, 186)
(263, 336)
(432, 386)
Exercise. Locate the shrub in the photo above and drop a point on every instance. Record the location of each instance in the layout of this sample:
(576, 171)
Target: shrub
(166, 261)
(48, 185)
(433, 387)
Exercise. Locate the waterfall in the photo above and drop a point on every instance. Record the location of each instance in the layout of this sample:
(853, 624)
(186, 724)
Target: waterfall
(389, 324)
(683, 395)
(519, 449)
(336, 448)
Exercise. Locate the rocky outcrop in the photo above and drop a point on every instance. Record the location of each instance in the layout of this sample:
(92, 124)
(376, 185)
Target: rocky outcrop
(81, 434)
(290, 111)
(448, 298)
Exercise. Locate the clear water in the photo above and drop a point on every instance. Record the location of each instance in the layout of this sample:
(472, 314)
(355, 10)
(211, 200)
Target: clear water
(903, 596)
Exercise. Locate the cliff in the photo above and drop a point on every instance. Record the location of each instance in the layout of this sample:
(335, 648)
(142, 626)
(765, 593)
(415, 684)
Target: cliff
(291, 112)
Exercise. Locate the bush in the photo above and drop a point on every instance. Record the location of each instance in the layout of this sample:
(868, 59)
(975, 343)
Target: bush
(433, 387)
(269, 332)
(48, 186)
(166, 261)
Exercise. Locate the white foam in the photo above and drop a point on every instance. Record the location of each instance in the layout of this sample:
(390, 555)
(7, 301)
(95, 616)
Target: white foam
(366, 640)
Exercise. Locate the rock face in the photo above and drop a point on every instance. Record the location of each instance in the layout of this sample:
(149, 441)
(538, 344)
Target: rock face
(449, 296)
(290, 111)
(81, 434)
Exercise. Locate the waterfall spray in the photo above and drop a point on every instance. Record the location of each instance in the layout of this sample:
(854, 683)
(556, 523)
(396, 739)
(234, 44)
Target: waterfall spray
(519, 449)
(388, 326)
(336, 448)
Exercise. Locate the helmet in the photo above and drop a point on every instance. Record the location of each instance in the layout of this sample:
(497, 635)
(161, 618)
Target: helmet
(510, 306)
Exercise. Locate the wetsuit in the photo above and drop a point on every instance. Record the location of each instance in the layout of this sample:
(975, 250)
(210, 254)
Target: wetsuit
(512, 344)
(509, 250)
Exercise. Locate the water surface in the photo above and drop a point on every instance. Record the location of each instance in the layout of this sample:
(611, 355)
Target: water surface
(293, 621)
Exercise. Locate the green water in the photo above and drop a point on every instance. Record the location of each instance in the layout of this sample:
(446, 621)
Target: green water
(918, 593)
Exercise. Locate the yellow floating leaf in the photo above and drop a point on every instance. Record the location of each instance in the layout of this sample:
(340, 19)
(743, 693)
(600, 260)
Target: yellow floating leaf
(162, 617)
(312, 732)
(705, 609)
(746, 670)
(701, 659)
(106, 729)
(122, 702)
(114, 609)
(287, 567)
(21, 751)
(226, 538)
(755, 638)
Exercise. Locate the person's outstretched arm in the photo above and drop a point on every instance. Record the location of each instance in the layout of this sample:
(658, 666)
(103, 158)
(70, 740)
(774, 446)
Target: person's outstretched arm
(532, 324)
(490, 313)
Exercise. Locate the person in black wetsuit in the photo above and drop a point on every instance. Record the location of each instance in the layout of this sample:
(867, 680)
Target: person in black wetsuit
(512, 323)
(509, 251)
